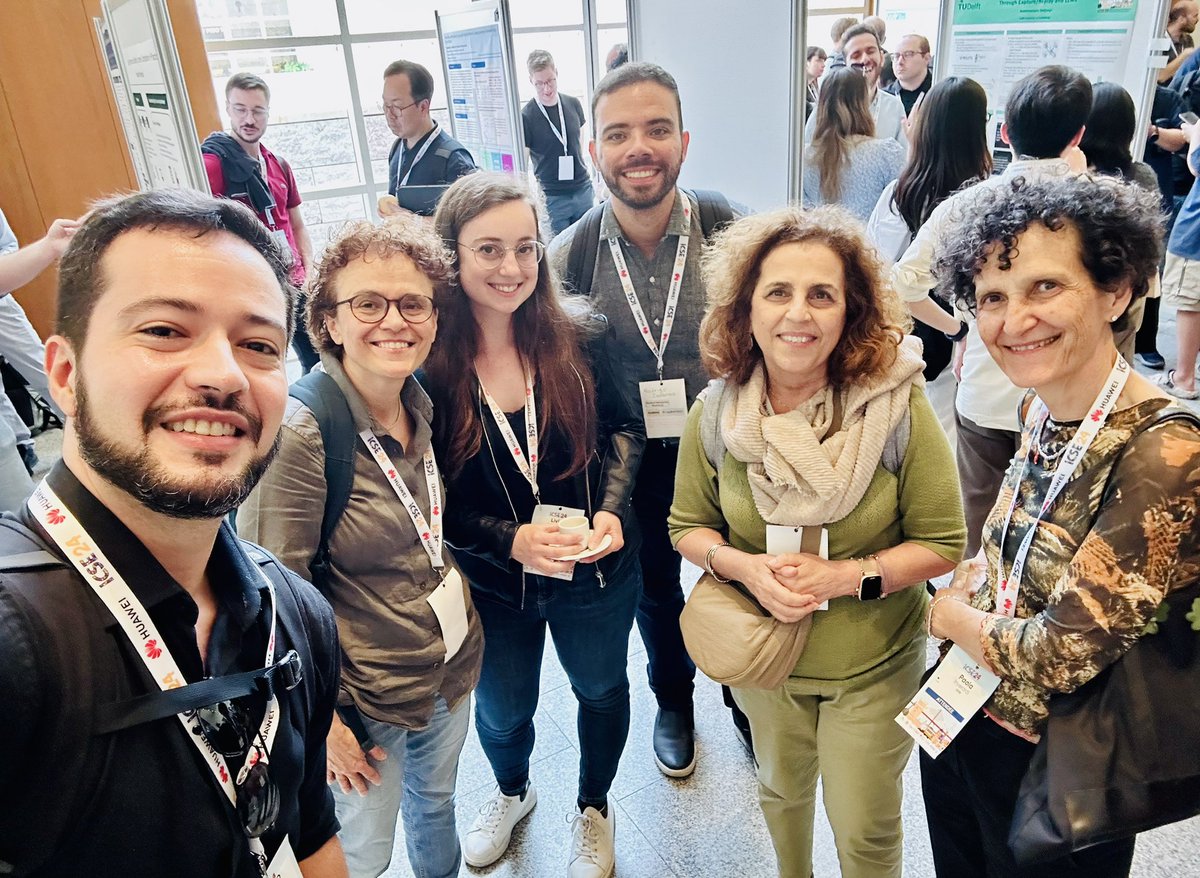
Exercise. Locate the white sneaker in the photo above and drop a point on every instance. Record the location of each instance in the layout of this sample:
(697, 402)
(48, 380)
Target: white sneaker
(488, 838)
(592, 836)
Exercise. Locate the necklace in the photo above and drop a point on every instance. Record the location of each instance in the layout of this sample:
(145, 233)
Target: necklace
(393, 422)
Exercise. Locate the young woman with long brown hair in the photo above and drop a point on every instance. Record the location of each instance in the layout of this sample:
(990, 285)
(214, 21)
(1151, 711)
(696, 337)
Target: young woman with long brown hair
(531, 427)
(845, 164)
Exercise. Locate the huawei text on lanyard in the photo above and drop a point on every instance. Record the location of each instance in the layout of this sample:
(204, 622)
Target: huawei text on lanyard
(527, 465)
(664, 403)
(108, 584)
(435, 134)
(429, 532)
(659, 349)
(1009, 587)
(960, 686)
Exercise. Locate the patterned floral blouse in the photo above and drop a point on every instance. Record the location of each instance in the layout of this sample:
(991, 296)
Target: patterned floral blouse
(1122, 533)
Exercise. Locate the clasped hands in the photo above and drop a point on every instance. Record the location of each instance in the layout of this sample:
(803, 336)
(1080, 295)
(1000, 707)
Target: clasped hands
(792, 585)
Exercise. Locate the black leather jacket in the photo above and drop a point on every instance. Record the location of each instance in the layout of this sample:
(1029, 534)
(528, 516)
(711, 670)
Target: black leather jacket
(489, 499)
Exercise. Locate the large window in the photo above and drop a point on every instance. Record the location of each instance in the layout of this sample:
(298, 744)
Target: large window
(326, 79)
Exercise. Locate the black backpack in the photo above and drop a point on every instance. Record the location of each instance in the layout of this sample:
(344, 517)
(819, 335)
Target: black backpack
(715, 214)
(321, 394)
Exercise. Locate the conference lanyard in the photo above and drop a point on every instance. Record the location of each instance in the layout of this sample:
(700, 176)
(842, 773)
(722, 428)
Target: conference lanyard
(631, 296)
(106, 581)
(527, 466)
(1009, 587)
(561, 134)
(429, 533)
(433, 135)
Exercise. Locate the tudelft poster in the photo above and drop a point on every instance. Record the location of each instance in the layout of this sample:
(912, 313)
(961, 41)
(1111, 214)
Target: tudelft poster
(997, 42)
(480, 84)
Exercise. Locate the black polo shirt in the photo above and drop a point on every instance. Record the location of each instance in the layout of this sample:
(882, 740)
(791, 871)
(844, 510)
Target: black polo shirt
(142, 801)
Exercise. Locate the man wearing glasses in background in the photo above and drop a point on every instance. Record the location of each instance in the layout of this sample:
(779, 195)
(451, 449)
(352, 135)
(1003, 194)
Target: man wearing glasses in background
(913, 76)
(241, 168)
(167, 689)
(423, 154)
(864, 53)
(552, 123)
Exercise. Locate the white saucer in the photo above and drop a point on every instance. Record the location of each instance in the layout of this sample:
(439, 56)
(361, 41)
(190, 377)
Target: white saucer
(587, 553)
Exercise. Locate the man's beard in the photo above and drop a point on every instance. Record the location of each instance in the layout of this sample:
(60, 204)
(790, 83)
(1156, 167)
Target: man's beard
(615, 185)
(136, 473)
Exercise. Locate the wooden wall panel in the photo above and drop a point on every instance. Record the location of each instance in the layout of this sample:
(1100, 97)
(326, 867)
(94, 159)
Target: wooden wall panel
(61, 143)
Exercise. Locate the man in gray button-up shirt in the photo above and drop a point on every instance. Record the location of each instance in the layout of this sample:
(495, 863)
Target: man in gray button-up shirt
(639, 148)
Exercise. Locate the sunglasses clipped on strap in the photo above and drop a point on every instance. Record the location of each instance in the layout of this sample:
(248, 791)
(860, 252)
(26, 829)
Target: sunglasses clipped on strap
(223, 719)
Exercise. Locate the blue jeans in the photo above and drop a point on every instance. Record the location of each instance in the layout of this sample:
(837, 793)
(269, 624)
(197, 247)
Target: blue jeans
(418, 779)
(590, 627)
(566, 207)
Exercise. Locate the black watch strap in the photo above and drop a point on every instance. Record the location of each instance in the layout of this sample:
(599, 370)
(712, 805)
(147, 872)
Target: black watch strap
(963, 329)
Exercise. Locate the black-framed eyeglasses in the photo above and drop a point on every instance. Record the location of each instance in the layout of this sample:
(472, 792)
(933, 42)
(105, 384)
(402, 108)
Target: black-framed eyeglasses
(226, 727)
(395, 109)
(373, 308)
(491, 255)
(908, 55)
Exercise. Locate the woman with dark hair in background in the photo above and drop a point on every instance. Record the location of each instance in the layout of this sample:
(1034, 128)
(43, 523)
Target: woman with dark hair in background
(948, 149)
(1109, 135)
(845, 164)
(532, 431)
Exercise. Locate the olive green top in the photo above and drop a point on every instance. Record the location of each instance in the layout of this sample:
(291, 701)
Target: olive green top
(920, 504)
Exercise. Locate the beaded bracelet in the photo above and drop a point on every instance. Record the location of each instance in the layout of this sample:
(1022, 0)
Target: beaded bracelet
(933, 605)
(708, 557)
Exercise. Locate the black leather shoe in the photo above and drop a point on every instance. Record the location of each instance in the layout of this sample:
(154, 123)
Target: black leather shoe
(675, 743)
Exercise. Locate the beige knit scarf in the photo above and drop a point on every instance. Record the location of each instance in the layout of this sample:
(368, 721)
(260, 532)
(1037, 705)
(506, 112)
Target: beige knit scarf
(796, 477)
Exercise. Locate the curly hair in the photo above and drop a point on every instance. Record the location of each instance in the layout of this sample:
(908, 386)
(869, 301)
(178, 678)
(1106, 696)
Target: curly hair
(876, 319)
(403, 235)
(1120, 229)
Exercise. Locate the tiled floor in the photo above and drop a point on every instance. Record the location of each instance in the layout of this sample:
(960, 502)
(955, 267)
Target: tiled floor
(707, 826)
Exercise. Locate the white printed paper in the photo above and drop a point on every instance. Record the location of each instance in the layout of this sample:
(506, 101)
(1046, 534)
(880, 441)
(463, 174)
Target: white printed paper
(786, 540)
(544, 513)
(449, 603)
(664, 407)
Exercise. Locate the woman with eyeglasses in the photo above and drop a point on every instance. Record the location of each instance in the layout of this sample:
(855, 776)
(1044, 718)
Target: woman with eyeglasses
(541, 449)
(411, 639)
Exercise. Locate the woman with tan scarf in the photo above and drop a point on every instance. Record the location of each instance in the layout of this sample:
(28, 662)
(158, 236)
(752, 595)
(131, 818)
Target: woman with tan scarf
(823, 425)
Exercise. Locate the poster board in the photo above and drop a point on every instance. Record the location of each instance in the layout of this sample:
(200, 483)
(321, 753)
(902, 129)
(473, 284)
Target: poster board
(116, 81)
(998, 42)
(485, 112)
(140, 34)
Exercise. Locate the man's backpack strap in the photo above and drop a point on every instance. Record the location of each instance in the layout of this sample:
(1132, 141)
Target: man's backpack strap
(321, 394)
(715, 210)
(581, 258)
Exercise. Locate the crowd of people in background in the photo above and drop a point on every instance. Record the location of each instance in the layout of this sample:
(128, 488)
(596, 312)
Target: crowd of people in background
(523, 407)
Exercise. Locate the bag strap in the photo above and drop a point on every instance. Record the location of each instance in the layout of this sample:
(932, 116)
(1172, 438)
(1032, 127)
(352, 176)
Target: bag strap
(713, 397)
(321, 394)
(581, 258)
(715, 210)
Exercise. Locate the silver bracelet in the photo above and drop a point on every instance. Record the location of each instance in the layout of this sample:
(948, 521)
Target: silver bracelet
(708, 557)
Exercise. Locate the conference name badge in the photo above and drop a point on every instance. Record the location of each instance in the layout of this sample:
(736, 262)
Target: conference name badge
(950, 697)
(664, 407)
(449, 603)
(566, 168)
(283, 864)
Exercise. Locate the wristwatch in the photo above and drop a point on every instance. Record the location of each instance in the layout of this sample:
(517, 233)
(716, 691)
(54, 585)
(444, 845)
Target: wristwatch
(870, 585)
(963, 329)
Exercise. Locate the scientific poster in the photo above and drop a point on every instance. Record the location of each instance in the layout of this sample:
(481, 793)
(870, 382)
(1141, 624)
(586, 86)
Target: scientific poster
(129, 124)
(998, 42)
(162, 118)
(482, 93)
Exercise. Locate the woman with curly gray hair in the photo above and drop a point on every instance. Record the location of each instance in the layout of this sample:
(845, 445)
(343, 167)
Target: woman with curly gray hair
(411, 640)
(1094, 523)
(824, 426)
